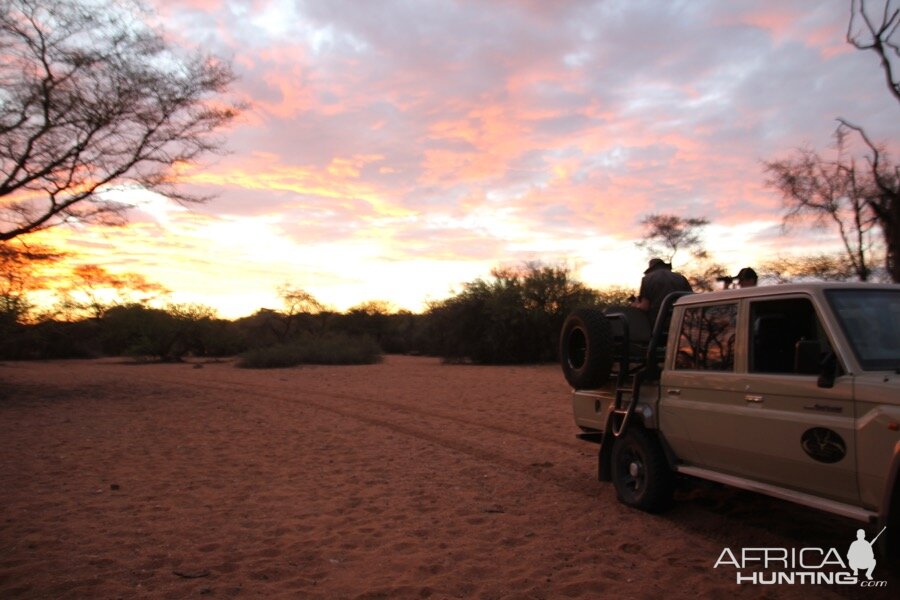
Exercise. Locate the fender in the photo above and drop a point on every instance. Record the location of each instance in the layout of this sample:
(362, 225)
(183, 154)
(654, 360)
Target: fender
(604, 461)
(889, 515)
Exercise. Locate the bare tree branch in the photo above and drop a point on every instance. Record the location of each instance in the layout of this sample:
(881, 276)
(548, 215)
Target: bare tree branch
(880, 36)
(91, 99)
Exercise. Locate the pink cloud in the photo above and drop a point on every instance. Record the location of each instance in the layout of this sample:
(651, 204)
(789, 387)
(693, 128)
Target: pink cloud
(417, 123)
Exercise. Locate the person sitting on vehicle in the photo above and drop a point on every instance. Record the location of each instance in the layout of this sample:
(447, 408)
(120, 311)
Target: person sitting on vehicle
(746, 277)
(658, 282)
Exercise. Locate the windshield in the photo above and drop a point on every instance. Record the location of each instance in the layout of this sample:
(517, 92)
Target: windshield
(871, 321)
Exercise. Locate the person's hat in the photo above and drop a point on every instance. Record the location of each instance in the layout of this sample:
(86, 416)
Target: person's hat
(655, 263)
(745, 274)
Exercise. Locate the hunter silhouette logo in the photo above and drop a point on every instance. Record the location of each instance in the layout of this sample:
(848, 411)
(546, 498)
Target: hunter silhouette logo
(860, 555)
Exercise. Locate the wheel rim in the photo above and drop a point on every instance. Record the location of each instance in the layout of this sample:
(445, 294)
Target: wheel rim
(577, 349)
(633, 471)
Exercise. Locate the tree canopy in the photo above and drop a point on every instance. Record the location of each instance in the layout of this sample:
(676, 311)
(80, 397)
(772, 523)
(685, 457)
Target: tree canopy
(666, 234)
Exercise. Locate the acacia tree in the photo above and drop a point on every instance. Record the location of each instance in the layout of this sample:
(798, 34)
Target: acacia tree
(300, 308)
(19, 276)
(92, 291)
(879, 31)
(825, 267)
(666, 234)
(831, 191)
(882, 200)
(92, 99)
(859, 200)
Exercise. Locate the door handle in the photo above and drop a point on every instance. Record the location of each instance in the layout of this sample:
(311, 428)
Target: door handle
(673, 392)
(753, 398)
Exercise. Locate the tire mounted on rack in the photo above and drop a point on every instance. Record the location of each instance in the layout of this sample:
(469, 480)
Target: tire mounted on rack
(586, 349)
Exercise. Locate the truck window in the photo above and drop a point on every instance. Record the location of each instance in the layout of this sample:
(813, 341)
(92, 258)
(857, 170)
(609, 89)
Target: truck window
(871, 321)
(706, 339)
(776, 329)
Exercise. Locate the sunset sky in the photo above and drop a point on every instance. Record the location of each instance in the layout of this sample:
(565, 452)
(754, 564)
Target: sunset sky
(395, 149)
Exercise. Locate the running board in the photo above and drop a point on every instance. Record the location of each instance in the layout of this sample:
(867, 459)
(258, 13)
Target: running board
(831, 506)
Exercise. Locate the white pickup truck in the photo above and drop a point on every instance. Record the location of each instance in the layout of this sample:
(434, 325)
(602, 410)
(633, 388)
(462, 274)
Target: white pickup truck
(791, 391)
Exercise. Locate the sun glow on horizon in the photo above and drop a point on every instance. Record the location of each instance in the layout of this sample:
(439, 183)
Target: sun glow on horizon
(236, 264)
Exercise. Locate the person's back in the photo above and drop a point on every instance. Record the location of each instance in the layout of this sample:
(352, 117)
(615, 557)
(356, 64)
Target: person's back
(660, 284)
(659, 281)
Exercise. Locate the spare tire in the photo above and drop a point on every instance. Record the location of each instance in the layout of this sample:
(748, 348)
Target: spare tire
(640, 329)
(586, 349)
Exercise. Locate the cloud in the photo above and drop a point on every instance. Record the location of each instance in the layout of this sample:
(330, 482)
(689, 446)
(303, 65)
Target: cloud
(472, 133)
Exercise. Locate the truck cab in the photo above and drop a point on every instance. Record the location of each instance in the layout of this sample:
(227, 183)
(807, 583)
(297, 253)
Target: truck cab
(791, 391)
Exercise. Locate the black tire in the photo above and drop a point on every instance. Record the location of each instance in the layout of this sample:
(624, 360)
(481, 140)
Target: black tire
(586, 349)
(640, 472)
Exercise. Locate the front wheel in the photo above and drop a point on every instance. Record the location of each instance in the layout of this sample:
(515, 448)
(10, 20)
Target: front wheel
(640, 472)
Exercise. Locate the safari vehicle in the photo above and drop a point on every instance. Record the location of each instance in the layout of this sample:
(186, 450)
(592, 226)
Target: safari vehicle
(792, 391)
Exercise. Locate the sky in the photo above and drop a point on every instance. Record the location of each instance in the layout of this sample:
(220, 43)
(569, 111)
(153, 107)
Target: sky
(393, 150)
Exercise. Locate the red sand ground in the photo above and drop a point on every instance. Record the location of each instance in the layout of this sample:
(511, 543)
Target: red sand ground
(408, 479)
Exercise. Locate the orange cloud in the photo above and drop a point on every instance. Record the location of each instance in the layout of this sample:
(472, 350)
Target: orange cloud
(340, 180)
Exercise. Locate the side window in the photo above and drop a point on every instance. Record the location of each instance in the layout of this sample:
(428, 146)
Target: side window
(786, 337)
(706, 339)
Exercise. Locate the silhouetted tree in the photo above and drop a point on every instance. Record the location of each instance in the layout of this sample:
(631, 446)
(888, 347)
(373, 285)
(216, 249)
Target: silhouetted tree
(831, 191)
(666, 234)
(882, 201)
(92, 290)
(859, 200)
(371, 318)
(302, 313)
(875, 26)
(611, 296)
(165, 334)
(704, 274)
(876, 29)
(19, 265)
(93, 99)
(823, 267)
(514, 317)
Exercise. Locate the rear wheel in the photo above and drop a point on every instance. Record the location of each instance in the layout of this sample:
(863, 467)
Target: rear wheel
(640, 472)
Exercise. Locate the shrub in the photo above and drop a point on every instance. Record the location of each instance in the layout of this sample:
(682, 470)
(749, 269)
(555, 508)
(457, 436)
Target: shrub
(515, 317)
(328, 349)
(167, 335)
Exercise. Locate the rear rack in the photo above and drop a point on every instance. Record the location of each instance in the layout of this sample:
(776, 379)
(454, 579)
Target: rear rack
(633, 370)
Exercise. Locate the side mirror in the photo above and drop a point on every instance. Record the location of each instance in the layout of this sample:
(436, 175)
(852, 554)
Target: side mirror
(828, 372)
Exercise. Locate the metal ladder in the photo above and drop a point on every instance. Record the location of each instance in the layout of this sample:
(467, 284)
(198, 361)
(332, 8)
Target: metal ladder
(628, 390)
(632, 374)
(628, 380)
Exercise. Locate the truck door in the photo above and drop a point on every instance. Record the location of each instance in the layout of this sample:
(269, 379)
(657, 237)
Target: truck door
(737, 399)
(699, 413)
(804, 434)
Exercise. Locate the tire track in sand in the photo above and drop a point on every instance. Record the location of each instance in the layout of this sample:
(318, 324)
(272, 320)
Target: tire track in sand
(541, 468)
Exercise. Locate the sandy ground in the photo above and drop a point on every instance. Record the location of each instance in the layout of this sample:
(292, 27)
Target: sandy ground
(408, 479)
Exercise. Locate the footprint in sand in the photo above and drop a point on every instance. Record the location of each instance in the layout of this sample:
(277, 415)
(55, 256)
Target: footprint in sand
(629, 548)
